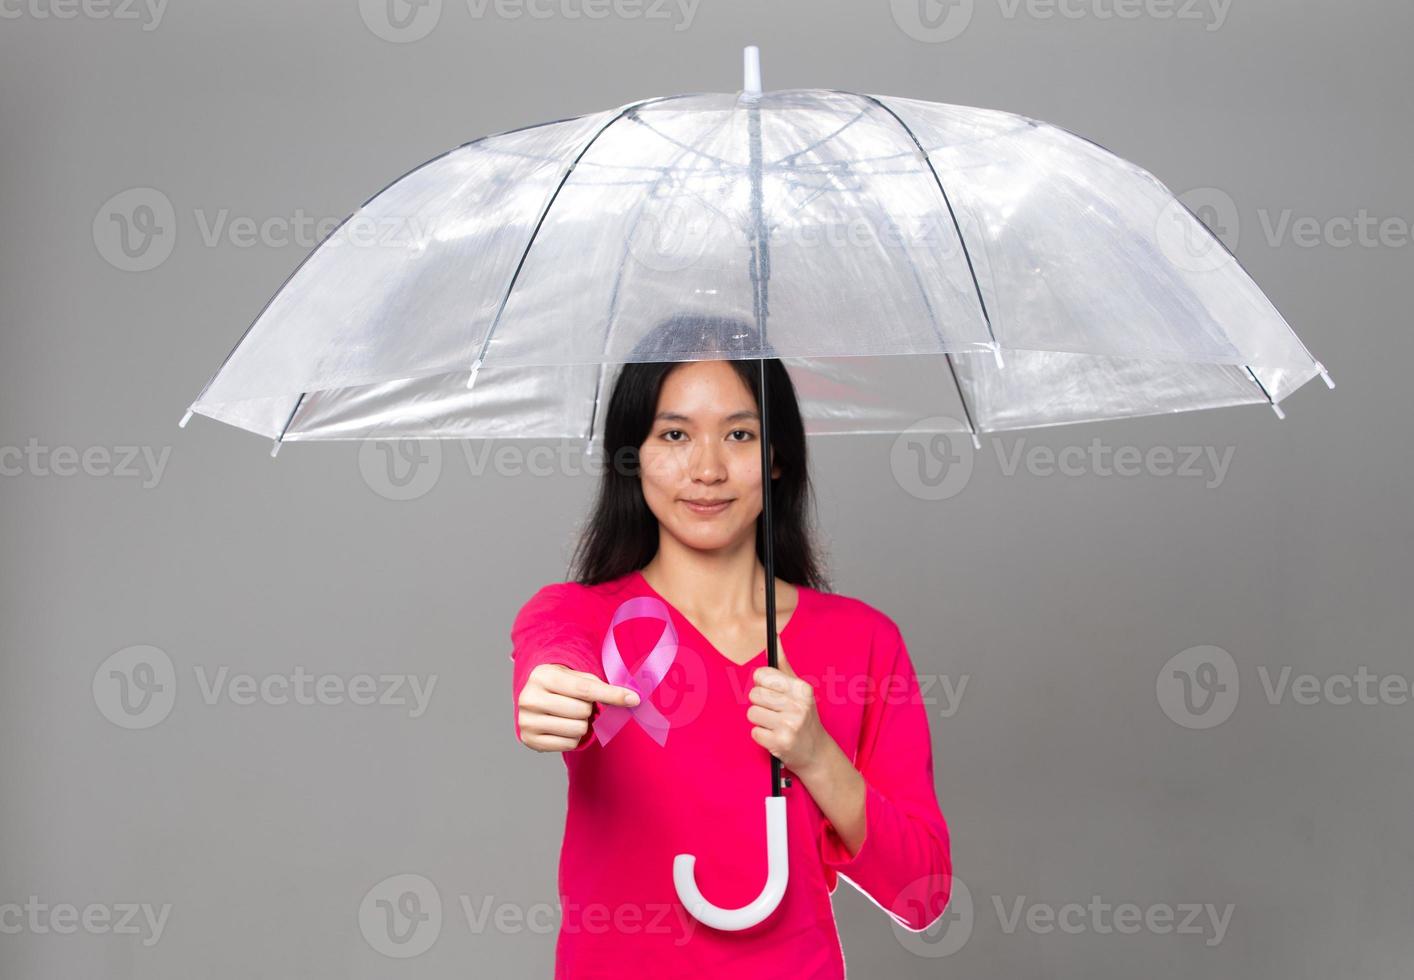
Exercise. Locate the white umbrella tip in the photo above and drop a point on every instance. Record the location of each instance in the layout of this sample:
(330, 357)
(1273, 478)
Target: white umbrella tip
(185, 419)
(751, 70)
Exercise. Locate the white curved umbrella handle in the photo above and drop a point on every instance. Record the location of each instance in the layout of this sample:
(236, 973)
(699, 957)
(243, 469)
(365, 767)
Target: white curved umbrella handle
(777, 871)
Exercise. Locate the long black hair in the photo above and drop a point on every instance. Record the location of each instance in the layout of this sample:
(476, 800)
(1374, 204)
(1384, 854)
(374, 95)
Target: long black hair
(621, 535)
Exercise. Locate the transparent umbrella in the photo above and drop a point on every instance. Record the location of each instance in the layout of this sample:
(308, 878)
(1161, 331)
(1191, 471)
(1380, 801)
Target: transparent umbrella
(916, 266)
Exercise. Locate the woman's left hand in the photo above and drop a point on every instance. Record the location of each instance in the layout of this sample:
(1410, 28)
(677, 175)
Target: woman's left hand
(783, 712)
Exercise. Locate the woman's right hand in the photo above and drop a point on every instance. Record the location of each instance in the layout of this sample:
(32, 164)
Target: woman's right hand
(556, 702)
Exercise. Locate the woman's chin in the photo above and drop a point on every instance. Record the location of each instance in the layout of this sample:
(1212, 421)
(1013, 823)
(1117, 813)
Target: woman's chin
(704, 538)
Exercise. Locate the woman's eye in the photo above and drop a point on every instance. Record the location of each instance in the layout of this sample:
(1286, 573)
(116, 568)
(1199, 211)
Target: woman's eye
(670, 433)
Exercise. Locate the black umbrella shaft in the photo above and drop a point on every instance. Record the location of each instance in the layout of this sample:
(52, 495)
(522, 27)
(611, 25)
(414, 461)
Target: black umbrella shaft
(760, 275)
(771, 657)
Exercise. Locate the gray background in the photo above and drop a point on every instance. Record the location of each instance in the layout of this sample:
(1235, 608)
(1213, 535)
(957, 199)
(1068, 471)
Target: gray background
(1067, 769)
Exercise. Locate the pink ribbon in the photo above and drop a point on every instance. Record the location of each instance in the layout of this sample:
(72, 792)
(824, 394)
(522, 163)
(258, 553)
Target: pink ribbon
(649, 675)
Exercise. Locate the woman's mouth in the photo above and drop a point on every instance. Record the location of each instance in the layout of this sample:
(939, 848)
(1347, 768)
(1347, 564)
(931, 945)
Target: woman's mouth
(707, 508)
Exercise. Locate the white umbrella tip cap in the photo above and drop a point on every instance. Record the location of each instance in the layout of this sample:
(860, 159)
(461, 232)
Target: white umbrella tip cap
(751, 70)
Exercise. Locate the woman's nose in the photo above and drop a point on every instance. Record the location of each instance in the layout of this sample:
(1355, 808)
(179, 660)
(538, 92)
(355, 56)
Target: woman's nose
(707, 463)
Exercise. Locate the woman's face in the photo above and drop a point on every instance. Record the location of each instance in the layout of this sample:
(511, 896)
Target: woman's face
(704, 445)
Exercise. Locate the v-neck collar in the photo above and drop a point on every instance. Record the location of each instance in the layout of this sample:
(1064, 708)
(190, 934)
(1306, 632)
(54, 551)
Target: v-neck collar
(800, 601)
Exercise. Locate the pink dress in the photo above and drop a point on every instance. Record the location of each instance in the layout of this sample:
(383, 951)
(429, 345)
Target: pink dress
(633, 804)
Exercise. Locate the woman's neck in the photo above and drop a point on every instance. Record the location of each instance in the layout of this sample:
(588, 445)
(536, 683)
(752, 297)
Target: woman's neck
(712, 587)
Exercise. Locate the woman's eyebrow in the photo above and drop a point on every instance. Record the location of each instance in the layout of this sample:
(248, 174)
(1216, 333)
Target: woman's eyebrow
(679, 417)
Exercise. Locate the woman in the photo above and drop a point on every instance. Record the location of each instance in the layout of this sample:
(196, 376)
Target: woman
(676, 520)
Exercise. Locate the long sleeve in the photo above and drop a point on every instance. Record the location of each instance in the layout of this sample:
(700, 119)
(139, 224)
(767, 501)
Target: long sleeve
(905, 861)
(551, 629)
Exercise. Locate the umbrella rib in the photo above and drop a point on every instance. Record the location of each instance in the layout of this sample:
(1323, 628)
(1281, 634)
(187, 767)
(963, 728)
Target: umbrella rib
(937, 332)
(1320, 368)
(280, 439)
(966, 253)
(544, 212)
(1263, 389)
(933, 320)
(962, 399)
(273, 296)
(623, 260)
(826, 138)
(769, 165)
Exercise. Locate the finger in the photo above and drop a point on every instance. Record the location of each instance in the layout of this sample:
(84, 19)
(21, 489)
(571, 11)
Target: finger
(551, 743)
(549, 703)
(765, 739)
(587, 687)
(767, 697)
(764, 717)
(552, 725)
(772, 678)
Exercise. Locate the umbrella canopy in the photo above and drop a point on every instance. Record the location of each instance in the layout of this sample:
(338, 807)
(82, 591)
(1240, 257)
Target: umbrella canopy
(1034, 277)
